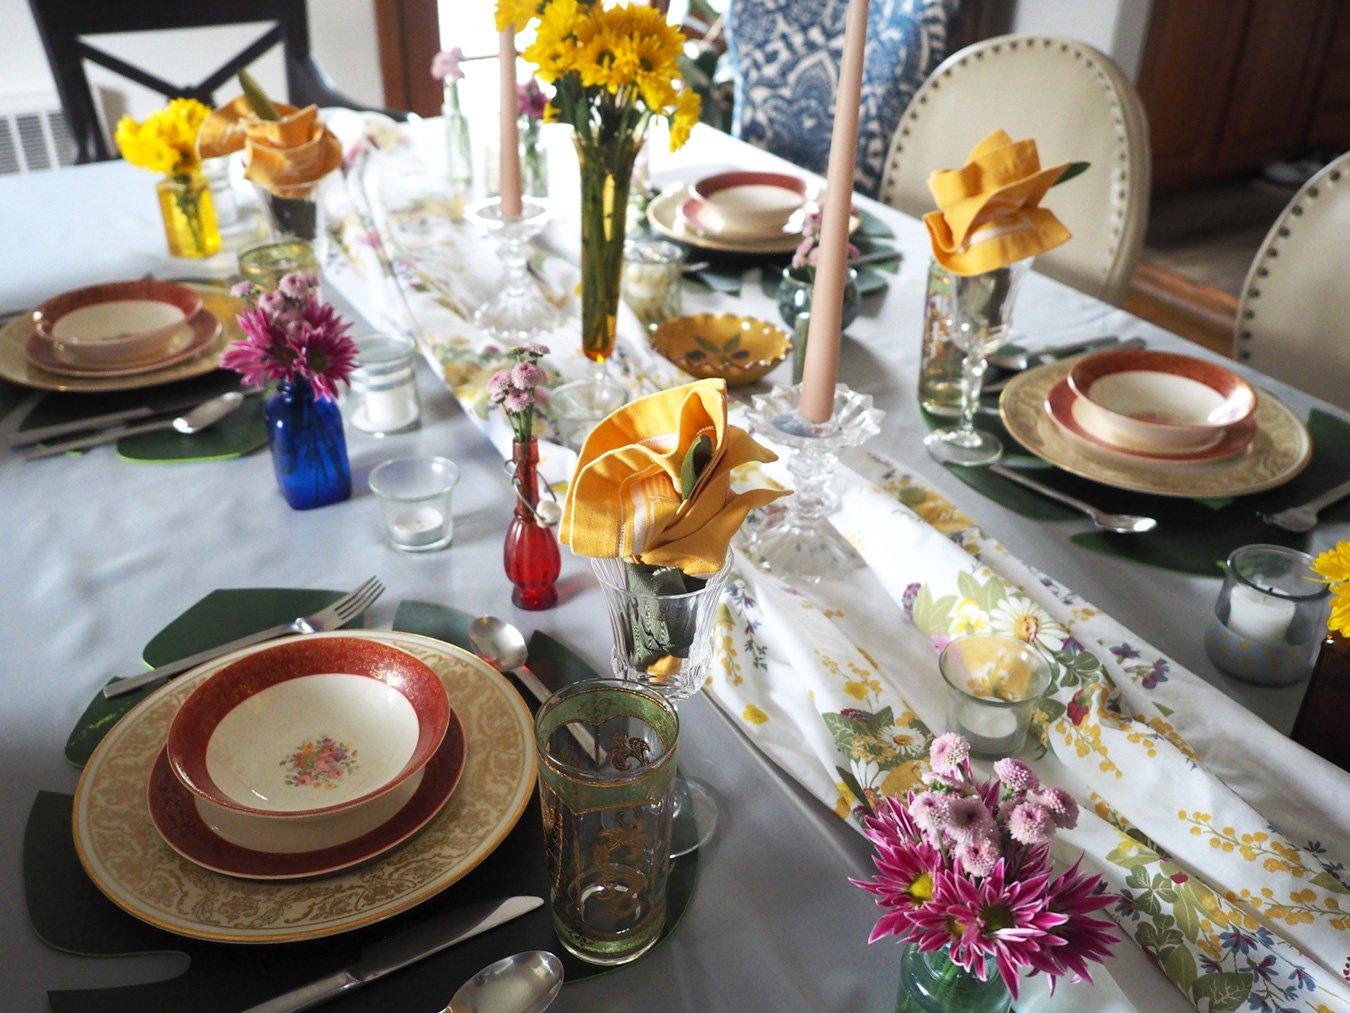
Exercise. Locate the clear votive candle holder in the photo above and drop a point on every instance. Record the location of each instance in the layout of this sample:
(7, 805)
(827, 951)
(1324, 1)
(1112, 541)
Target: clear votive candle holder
(414, 493)
(267, 263)
(383, 396)
(576, 408)
(1270, 617)
(994, 683)
(653, 280)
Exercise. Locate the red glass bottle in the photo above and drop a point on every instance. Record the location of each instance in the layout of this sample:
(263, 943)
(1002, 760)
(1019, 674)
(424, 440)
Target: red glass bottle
(531, 552)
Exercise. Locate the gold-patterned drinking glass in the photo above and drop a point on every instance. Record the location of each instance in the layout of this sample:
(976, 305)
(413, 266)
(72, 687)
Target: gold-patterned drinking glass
(606, 781)
(267, 263)
(939, 357)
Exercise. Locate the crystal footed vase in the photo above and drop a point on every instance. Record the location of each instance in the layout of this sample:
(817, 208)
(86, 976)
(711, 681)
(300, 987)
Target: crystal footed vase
(931, 983)
(309, 449)
(606, 172)
(530, 553)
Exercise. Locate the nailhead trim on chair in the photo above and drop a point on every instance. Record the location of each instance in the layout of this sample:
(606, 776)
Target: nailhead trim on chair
(1120, 172)
(1282, 232)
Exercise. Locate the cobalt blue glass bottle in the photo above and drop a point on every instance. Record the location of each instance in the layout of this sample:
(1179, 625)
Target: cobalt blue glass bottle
(309, 450)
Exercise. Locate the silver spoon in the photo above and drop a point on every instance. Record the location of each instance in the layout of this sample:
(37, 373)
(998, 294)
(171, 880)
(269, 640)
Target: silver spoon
(524, 983)
(1123, 524)
(503, 647)
(204, 416)
(1303, 518)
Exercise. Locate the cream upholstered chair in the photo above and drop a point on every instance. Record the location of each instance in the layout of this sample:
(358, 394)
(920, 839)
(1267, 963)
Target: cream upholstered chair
(1078, 106)
(1294, 318)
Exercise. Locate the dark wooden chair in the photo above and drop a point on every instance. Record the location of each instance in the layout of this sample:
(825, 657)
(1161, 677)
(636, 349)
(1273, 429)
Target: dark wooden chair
(65, 25)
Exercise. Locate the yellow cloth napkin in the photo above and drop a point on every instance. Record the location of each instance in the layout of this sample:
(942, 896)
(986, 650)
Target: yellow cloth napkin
(624, 499)
(287, 157)
(988, 210)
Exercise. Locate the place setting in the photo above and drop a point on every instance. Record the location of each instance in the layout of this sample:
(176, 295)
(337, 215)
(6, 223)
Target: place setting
(577, 579)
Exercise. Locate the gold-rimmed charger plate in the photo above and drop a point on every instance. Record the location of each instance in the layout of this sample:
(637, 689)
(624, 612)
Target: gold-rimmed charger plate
(663, 215)
(1280, 449)
(15, 367)
(129, 862)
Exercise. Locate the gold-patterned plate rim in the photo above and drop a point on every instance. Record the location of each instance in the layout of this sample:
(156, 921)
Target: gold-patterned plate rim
(126, 859)
(15, 367)
(1280, 449)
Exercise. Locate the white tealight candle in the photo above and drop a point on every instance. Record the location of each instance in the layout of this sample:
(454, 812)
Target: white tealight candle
(1257, 616)
(421, 525)
(389, 410)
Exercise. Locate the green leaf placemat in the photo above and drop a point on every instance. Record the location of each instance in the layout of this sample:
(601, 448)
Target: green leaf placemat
(239, 433)
(69, 914)
(10, 396)
(1193, 536)
(218, 618)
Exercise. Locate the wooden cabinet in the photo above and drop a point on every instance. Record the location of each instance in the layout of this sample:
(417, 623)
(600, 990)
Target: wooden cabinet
(1232, 84)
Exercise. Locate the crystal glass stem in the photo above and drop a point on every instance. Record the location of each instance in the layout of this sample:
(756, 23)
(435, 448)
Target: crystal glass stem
(973, 368)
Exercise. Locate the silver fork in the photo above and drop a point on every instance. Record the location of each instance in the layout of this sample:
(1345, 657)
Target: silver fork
(1303, 518)
(334, 617)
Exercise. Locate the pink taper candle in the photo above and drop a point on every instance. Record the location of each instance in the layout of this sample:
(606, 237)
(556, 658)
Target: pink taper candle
(827, 295)
(508, 172)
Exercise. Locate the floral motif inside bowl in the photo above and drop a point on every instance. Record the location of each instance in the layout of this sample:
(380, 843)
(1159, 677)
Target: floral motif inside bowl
(737, 349)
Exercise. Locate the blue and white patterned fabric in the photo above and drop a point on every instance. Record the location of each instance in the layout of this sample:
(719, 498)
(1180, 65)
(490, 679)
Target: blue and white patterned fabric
(785, 57)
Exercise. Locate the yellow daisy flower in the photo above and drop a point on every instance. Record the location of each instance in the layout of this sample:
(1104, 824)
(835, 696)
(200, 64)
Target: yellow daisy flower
(1334, 564)
(516, 12)
(1340, 610)
(682, 120)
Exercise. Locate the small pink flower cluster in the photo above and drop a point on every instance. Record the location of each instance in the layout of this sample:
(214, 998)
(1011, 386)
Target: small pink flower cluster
(446, 67)
(809, 248)
(517, 389)
(289, 335)
(531, 100)
(966, 866)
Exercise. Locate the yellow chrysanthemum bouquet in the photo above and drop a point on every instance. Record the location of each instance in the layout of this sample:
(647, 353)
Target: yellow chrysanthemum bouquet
(1333, 566)
(614, 69)
(166, 142)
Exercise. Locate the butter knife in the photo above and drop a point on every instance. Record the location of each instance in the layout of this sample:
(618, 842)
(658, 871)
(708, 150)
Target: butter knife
(399, 951)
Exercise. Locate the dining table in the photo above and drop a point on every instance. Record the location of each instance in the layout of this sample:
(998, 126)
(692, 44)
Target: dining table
(99, 553)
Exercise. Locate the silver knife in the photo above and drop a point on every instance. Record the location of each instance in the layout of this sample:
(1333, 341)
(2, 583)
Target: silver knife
(1018, 361)
(398, 951)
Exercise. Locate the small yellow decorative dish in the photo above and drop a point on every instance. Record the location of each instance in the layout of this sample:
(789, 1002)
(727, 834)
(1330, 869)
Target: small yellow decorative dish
(739, 350)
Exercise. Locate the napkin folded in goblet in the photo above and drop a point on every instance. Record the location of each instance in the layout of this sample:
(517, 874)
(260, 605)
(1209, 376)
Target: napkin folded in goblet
(286, 156)
(653, 485)
(989, 212)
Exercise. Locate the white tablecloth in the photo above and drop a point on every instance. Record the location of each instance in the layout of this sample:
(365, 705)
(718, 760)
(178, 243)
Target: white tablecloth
(99, 553)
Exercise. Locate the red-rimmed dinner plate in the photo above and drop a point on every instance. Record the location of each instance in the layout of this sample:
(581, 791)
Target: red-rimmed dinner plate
(744, 202)
(185, 823)
(129, 862)
(1065, 406)
(308, 728)
(665, 218)
(115, 324)
(191, 339)
(1158, 403)
(1279, 449)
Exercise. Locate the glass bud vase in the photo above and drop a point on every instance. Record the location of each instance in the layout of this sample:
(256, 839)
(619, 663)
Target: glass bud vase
(530, 554)
(606, 172)
(309, 449)
(931, 983)
(794, 306)
(533, 159)
(189, 215)
(458, 151)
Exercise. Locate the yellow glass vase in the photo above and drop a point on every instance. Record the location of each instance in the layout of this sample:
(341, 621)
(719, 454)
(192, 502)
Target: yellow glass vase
(189, 215)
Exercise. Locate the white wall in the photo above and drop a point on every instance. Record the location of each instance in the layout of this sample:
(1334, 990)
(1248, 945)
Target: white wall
(342, 33)
(1116, 27)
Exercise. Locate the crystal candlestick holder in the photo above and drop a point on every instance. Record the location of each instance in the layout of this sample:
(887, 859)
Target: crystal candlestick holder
(798, 541)
(518, 312)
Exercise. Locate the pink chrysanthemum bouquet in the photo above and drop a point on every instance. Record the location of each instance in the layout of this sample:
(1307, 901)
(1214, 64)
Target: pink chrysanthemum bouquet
(289, 336)
(965, 866)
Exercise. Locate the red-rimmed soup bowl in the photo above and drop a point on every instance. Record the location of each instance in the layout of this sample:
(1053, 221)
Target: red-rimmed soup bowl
(749, 203)
(116, 324)
(308, 728)
(1158, 402)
